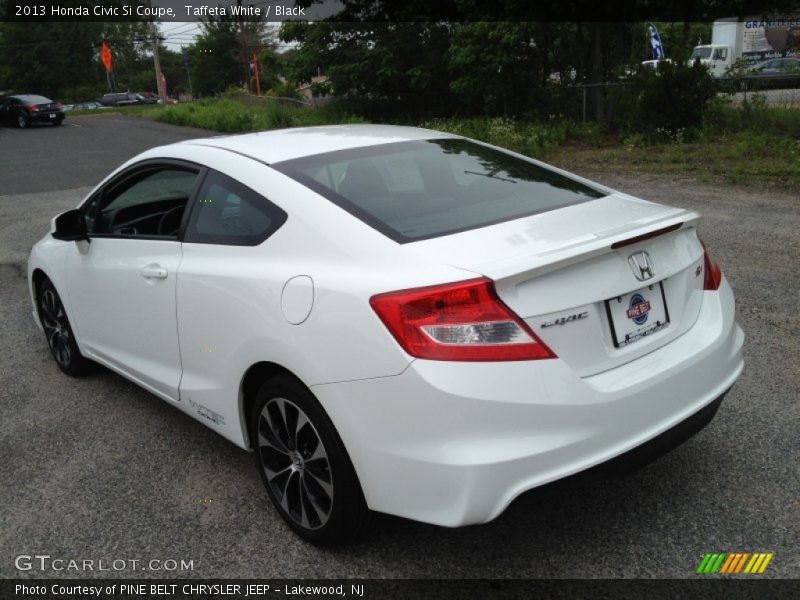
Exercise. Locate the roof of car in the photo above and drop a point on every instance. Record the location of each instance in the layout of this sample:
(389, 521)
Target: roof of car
(29, 97)
(285, 144)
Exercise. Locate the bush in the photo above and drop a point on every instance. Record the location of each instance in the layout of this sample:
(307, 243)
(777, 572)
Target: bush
(240, 115)
(532, 138)
(673, 100)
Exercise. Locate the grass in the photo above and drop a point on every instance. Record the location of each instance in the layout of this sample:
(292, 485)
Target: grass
(531, 138)
(741, 158)
(752, 144)
(230, 115)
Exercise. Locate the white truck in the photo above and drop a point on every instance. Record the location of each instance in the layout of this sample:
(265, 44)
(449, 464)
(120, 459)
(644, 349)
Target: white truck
(754, 40)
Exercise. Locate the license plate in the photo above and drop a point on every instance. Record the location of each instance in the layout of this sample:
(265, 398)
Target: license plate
(638, 314)
(52, 115)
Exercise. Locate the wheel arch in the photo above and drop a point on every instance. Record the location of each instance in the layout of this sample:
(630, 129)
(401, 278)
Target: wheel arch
(37, 277)
(255, 375)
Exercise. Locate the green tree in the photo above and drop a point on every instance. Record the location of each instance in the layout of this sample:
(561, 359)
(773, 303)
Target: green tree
(401, 63)
(62, 59)
(217, 55)
(215, 58)
(49, 58)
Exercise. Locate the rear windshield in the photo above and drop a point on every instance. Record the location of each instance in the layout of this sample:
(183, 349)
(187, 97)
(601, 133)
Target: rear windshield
(36, 99)
(418, 190)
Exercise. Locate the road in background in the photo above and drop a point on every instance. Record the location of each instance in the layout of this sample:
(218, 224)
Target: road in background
(98, 468)
(78, 153)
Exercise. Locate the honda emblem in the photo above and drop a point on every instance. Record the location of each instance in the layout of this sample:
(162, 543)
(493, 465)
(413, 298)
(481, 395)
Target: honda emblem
(641, 265)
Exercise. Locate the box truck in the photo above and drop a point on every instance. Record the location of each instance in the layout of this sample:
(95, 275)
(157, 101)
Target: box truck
(754, 40)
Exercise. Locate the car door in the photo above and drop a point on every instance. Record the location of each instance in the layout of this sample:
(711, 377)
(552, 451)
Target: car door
(8, 110)
(122, 283)
(772, 67)
(224, 292)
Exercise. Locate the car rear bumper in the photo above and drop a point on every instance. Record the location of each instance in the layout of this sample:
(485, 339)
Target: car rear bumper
(45, 117)
(454, 443)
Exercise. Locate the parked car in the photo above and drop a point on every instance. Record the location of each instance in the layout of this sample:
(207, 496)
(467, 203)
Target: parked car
(655, 63)
(777, 67)
(392, 318)
(24, 109)
(90, 105)
(121, 99)
(149, 98)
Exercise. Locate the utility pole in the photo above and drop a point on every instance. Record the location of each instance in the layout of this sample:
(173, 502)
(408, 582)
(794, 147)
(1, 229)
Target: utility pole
(188, 75)
(162, 93)
(258, 78)
(245, 56)
(154, 39)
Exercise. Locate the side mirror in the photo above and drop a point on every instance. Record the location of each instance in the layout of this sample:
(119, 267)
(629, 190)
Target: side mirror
(70, 226)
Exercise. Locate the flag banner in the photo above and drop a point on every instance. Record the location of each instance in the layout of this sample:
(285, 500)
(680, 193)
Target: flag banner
(105, 57)
(656, 48)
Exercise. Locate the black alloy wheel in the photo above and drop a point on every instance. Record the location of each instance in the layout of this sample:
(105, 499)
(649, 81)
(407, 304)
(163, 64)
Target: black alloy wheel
(304, 465)
(58, 332)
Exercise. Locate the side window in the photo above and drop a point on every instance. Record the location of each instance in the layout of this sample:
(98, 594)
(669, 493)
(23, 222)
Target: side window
(149, 202)
(227, 212)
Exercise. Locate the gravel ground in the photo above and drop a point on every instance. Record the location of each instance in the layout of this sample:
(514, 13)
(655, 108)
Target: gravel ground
(97, 468)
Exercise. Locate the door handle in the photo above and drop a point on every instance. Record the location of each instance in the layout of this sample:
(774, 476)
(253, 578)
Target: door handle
(154, 272)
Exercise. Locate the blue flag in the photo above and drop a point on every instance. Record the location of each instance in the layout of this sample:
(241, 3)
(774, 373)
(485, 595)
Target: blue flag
(655, 42)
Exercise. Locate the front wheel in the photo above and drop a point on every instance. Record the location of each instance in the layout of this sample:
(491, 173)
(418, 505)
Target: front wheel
(22, 121)
(304, 465)
(58, 332)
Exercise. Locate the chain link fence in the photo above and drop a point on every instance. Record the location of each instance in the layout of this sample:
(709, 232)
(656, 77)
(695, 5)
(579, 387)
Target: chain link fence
(613, 104)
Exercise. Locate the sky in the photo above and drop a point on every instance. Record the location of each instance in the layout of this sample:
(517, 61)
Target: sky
(180, 34)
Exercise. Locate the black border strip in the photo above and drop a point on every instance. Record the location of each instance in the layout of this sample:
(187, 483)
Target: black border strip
(394, 11)
(744, 587)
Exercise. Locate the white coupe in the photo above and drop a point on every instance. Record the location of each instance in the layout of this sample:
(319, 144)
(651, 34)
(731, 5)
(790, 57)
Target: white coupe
(392, 319)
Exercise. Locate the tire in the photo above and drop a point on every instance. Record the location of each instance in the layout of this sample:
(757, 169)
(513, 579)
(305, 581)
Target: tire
(308, 474)
(58, 332)
(58, 122)
(22, 121)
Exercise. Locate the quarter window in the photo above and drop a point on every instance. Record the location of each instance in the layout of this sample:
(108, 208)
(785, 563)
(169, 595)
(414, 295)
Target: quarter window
(228, 212)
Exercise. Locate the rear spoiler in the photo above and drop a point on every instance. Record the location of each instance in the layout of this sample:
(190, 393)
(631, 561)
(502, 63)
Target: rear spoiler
(591, 245)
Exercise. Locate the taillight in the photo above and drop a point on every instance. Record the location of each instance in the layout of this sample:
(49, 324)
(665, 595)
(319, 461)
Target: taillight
(713, 274)
(463, 321)
(32, 108)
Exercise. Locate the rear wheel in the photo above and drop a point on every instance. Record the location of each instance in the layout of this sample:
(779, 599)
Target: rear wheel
(22, 121)
(58, 332)
(58, 122)
(304, 465)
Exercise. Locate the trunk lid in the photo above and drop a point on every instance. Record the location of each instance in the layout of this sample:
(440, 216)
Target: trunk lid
(558, 271)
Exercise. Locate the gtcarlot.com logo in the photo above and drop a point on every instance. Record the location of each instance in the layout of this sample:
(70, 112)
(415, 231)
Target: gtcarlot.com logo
(46, 562)
(734, 563)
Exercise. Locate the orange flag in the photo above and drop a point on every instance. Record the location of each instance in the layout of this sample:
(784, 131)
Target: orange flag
(105, 56)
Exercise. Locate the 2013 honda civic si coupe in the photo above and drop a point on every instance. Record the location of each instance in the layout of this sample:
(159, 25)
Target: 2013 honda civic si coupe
(391, 318)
